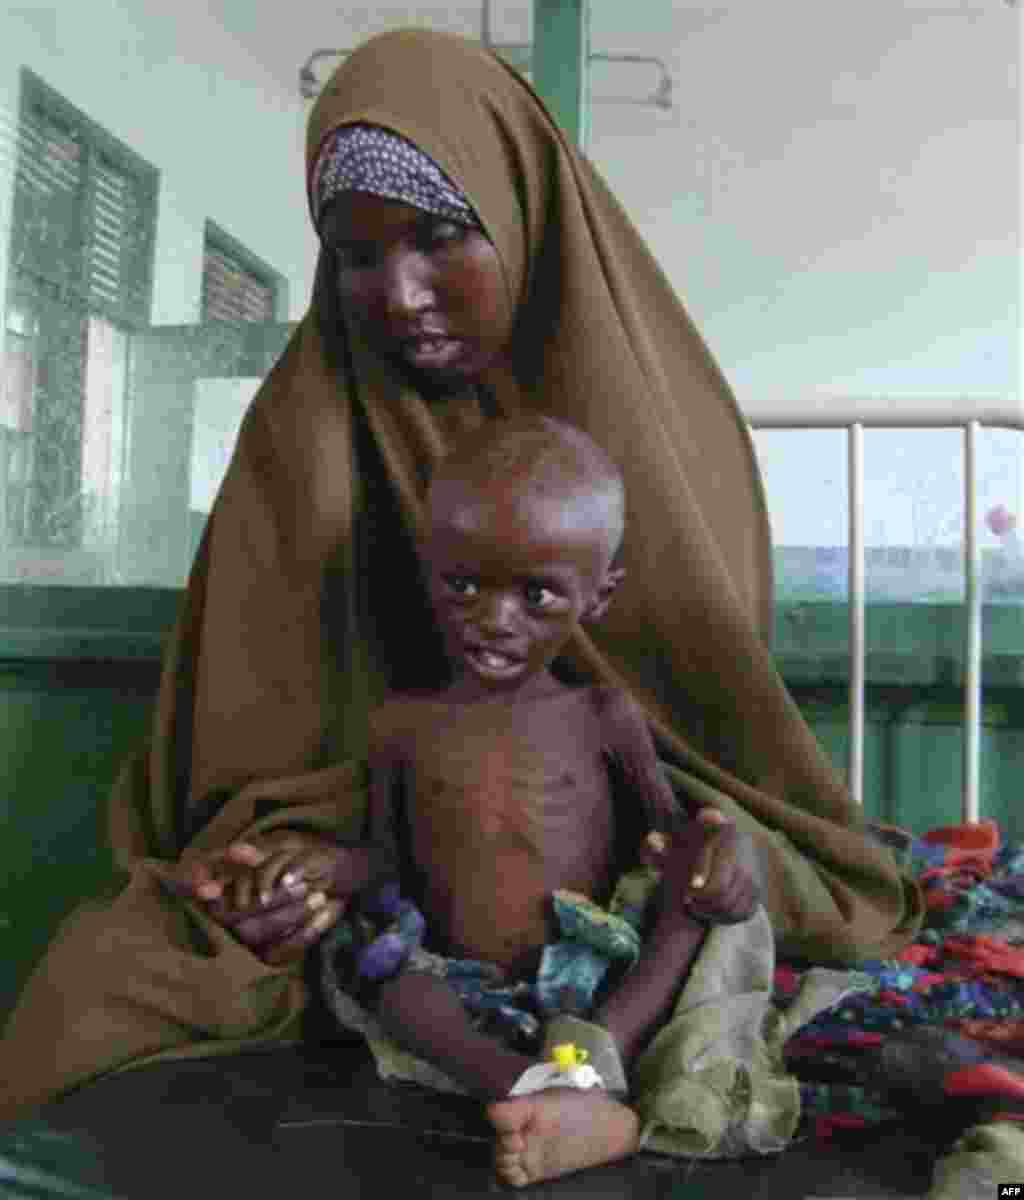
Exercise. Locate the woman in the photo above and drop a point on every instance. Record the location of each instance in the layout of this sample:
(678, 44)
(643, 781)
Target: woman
(474, 266)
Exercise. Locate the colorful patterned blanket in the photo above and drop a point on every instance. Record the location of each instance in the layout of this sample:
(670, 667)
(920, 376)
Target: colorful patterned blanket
(938, 1036)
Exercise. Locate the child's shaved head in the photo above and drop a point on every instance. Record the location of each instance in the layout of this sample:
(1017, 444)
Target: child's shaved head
(543, 459)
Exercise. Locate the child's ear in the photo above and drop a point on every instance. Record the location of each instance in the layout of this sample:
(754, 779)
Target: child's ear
(599, 606)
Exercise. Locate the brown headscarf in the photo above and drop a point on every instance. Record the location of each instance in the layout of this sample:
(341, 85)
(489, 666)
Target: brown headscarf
(304, 601)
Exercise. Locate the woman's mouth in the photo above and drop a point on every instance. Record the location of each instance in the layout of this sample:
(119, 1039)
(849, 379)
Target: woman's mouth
(432, 353)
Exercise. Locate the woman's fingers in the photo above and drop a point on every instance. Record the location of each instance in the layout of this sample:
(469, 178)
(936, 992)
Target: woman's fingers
(206, 878)
(225, 883)
(245, 854)
(275, 868)
(206, 886)
(255, 854)
(201, 877)
(244, 891)
(194, 880)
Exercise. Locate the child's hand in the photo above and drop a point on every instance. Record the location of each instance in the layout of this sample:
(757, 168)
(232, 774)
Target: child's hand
(709, 869)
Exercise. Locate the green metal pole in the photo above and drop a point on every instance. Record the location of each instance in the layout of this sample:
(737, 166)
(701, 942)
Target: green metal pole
(561, 55)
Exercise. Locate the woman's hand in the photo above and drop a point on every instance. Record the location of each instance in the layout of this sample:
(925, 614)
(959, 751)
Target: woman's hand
(709, 869)
(278, 930)
(299, 862)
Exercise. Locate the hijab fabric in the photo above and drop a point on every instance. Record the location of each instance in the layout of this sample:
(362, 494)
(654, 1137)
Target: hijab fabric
(304, 602)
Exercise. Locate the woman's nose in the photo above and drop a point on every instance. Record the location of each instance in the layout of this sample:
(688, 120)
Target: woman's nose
(406, 288)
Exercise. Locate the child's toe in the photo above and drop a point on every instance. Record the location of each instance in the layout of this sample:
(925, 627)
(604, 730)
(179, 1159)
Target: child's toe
(511, 1143)
(512, 1173)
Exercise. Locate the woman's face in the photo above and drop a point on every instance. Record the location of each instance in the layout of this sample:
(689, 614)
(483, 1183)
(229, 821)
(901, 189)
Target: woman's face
(427, 293)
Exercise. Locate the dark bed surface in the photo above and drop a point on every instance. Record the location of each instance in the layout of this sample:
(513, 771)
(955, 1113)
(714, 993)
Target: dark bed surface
(280, 1123)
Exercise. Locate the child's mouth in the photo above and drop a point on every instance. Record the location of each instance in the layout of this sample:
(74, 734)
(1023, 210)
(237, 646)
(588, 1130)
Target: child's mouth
(492, 664)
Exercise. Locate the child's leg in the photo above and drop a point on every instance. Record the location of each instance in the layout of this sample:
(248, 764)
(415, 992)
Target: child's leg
(713, 1082)
(539, 1136)
(553, 1133)
(645, 998)
(424, 1015)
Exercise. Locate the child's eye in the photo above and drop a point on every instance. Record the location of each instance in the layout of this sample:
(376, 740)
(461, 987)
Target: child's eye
(465, 588)
(538, 596)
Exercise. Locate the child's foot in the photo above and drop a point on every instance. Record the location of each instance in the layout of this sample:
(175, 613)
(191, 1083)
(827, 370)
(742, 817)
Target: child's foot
(558, 1131)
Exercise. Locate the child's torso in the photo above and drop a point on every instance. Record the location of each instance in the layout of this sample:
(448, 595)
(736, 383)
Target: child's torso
(505, 803)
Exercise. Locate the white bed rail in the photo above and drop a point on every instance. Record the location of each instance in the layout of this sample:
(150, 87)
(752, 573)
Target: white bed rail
(855, 415)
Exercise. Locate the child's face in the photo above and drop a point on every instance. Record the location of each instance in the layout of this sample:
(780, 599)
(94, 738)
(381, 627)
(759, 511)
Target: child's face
(509, 579)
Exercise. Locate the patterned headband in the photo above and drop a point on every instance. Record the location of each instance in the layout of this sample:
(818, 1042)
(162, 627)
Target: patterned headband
(367, 158)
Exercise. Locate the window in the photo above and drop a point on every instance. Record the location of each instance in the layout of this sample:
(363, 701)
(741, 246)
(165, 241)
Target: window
(84, 211)
(237, 286)
(79, 281)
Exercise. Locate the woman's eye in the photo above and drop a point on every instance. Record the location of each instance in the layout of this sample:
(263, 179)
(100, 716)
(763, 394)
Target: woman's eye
(538, 596)
(442, 233)
(352, 256)
(354, 260)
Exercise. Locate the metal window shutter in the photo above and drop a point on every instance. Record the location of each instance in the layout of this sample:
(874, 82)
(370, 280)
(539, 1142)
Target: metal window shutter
(231, 292)
(118, 243)
(47, 242)
(81, 222)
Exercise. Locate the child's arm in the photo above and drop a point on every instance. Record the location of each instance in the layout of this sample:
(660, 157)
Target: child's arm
(643, 1000)
(628, 743)
(709, 869)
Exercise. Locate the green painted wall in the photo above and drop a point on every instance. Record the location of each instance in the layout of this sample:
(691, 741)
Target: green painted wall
(913, 747)
(66, 728)
(561, 55)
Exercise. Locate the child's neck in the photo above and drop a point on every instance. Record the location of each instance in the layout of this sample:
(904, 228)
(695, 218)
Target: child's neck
(539, 686)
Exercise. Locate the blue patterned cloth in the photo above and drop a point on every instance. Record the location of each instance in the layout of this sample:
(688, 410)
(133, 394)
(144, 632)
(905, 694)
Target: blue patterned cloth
(387, 937)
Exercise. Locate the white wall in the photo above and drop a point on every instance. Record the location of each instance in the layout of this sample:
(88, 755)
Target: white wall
(180, 92)
(838, 196)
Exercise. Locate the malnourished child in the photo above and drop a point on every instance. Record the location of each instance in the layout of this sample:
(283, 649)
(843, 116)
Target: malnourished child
(506, 795)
